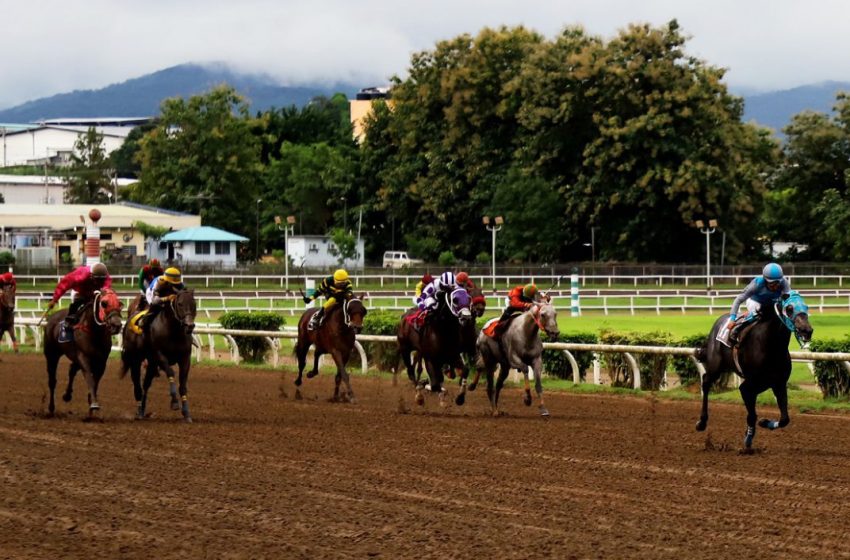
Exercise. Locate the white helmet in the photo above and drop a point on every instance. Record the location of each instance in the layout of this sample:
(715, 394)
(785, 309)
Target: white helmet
(448, 279)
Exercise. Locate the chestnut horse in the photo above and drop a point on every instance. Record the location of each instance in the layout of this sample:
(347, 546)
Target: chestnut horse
(167, 341)
(7, 313)
(335, 336)
(89, 349)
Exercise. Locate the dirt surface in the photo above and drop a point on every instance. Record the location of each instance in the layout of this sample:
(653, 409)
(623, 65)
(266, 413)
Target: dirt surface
(260, 474)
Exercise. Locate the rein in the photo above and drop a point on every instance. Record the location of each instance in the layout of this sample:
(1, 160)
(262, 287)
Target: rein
(536, 310)
(345, 314)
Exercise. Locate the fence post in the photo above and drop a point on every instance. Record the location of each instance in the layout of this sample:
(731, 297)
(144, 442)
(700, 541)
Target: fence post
(575, 309)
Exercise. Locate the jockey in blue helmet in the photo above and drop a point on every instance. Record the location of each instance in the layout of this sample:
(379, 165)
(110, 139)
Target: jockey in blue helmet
(765, 289)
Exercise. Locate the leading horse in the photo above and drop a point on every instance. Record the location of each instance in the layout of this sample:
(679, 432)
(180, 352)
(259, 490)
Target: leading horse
(440, 340)
(761, 359)
(335, 336)
(166, 341)
(520, 348)
(89, 348)
(7, 313)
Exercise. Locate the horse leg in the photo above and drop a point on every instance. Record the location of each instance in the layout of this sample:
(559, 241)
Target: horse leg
(707, 381)
(301, 354)
(781, 393)
(72, 373)
(150, 373)
(136, 377)
(315, 371)
(526, 400)
(504, 368)
(464, 373)
(92, 382)
(538, 384)
(183, 366)
(52, 362)
(15, 345)
(749, 394)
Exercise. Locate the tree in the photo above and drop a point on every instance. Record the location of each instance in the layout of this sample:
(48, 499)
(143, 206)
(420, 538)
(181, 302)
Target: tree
(88, 176)
(343, 246)
(202, 157)
(125, 160)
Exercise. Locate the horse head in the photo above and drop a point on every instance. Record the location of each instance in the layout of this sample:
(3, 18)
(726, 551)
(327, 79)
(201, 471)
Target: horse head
(794, 314)
(546, 318)
(354, 312)
(185, 308)
(479, 302)
(107, 310)
(7, 298)
(458, 303)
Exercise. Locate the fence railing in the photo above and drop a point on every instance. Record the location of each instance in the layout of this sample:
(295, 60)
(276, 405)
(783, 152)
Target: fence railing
(273, 337)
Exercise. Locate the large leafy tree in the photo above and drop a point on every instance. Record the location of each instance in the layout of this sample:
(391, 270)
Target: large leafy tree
(125, 160)
(203, 158)
(88, 175)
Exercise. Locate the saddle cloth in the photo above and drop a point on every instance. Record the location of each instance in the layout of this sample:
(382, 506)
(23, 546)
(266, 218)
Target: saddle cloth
(493, 324)
(134, 321)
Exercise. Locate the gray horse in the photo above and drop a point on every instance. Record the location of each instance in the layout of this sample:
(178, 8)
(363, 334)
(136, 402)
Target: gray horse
(519, 348)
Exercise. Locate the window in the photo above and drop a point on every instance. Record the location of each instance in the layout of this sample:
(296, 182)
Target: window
(222, 247)
(202, 247)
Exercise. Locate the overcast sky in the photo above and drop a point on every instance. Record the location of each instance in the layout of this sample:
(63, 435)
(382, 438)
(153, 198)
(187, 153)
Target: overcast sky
(56, 46)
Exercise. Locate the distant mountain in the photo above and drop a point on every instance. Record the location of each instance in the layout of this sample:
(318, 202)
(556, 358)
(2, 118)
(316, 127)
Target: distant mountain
(775, 109)
(140, 97)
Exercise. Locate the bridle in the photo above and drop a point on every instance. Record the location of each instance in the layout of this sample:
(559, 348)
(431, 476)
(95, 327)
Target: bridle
(96, 310)
(798, 305)
(346, 315)
(181, 318)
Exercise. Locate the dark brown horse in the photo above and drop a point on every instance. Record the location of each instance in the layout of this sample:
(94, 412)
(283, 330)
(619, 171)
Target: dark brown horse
(439, 342)
(7, 313)
(88, 350)
(335, 337)
(165, 342)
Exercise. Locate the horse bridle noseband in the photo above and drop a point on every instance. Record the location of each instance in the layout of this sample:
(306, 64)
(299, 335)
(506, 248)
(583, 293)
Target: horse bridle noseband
(173, 304)
(345, 313)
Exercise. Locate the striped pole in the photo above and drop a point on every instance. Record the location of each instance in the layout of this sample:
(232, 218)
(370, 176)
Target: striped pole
(93, 238)
(575, 308)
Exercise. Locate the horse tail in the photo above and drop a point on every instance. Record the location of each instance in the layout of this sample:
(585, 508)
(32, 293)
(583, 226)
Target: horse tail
(702, 352)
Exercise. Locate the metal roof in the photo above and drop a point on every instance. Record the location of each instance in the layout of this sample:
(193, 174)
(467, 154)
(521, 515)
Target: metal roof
(202, 233)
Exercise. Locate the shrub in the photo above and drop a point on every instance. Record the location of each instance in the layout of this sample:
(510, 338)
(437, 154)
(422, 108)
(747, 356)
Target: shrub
(6, 258)
(482, 258)
(555, 361)
(447, 258)
(687, 370)
(832, 378)
(252, 348)
(382, 355)
(651, 366)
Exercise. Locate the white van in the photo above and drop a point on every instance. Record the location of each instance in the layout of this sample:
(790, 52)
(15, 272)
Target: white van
(398, 259)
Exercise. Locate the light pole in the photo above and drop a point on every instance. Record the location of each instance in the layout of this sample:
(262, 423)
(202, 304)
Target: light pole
(497, 225)
(257, 251)
(712, 225)
(287, 228)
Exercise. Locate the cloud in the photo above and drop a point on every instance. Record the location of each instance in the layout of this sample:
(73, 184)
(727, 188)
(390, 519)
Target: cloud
(55, 46)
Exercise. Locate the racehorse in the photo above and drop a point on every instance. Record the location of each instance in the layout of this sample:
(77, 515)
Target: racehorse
(89, 348)
(166, 341)
(439, 342)
(761, 359)
(335, 336)
(7, 314)
(520, 347)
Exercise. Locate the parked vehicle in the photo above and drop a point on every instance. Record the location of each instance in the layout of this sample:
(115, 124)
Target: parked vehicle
(399, 259)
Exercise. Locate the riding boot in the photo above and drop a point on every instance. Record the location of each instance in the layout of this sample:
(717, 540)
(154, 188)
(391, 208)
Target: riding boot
(316, 319)
(148, 318)
(66, 333)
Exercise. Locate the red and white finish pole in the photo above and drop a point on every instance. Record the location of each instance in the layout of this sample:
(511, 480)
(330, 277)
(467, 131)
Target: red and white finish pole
(93, 238)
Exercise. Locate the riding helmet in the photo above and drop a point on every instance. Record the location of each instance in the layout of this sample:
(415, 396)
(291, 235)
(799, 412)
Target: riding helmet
(529, 291)
(172, 275)
(340, 276)
(154, 263)
(772, 272)
(427, 279)
(99, 271)
(462, 277)
(447, 279)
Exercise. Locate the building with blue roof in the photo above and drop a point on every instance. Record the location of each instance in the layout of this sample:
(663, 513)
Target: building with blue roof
(197, 245)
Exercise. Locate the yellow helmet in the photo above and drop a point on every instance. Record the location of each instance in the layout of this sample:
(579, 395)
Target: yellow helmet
(172, 274)
(340, 275)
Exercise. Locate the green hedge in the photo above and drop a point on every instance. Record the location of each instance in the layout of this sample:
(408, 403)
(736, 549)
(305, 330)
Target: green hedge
(687, 370)
(382, 355)
(832, 378)
(252, 348)
(651, 366)
(555, 361)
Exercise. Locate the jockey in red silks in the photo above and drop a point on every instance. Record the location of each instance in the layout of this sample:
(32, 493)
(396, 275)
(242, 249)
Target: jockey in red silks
(520, 299)
(85, 281)
(7, 279)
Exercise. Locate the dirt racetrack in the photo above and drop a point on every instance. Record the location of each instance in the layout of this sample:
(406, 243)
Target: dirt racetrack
(262, 475)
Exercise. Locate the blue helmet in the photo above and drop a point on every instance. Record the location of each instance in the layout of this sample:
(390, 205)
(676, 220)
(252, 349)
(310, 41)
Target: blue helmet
(772, 272)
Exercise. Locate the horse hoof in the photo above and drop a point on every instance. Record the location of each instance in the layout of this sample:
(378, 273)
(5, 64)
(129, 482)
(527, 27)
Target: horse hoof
(187, 420)
(769, 424)
(312, 374)
(544, 411)
(66, 397)
(472, 386)
(298, 381)
(527, 400)
(175, 405)
(701, 425)
(352, 400)
(460, 399)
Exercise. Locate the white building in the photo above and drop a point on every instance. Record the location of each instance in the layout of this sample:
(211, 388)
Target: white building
(197, 245)
(53, 141)
(315, 251)
(42, 189)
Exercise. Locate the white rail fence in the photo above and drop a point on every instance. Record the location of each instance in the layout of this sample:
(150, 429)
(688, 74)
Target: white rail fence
(274, 337)
(212, 280)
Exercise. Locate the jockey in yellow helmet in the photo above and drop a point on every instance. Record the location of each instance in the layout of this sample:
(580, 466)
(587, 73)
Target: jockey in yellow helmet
(335, 287)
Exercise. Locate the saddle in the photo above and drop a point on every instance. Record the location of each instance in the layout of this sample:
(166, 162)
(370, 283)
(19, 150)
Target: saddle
(417, 319)
(740, 332)
(495, 326)
(135, 319)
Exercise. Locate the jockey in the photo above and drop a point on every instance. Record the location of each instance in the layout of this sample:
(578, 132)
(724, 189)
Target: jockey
(765, 289)
(429, 298)
(85, 281)
(161, 289)
(147, 273)
(335, 288)
(520, 298)
(426, 279)
(7, 279)
(464, 281)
